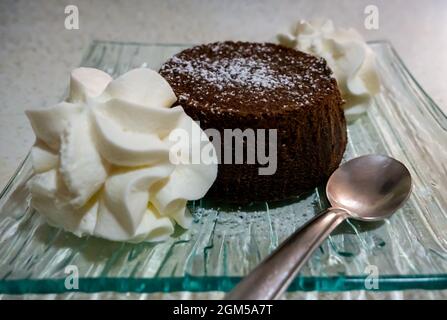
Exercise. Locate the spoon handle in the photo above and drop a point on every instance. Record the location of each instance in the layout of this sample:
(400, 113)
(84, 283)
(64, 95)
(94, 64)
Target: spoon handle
(273, 276)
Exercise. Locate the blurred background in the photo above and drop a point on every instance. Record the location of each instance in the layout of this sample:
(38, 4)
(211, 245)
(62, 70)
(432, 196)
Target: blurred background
(37, 52)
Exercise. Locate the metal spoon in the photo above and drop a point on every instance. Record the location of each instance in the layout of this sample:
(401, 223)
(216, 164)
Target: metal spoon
(367, 188)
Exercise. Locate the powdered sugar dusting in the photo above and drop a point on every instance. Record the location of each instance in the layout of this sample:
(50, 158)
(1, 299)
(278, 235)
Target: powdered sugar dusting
(231, 72)
(228, 75)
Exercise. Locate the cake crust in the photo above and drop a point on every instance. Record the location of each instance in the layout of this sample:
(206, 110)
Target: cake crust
(229, 85)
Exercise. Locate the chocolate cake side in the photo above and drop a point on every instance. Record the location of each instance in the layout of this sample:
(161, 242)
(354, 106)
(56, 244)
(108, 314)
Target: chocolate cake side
(231, 85)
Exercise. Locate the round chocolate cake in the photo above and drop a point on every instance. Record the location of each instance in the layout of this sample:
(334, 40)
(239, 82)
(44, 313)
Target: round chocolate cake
(241, 85)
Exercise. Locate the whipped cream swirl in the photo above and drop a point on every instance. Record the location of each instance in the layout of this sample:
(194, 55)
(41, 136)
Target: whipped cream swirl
(102, 158)
(346, 53)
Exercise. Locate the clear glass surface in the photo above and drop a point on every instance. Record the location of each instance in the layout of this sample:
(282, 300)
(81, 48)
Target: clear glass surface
(407, 251)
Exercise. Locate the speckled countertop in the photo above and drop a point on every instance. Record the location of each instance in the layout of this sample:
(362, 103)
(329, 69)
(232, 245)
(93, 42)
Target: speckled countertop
(37, 52)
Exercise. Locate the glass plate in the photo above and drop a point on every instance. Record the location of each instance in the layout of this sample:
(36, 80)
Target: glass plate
(407, 251)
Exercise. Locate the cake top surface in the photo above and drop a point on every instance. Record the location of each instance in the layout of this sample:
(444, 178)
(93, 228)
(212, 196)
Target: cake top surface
(248, 77)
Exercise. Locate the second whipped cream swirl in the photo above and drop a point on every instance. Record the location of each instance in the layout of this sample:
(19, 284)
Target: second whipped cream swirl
(102, 158)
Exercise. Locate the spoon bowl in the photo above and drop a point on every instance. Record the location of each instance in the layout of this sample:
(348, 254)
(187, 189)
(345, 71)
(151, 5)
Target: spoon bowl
(370, 187)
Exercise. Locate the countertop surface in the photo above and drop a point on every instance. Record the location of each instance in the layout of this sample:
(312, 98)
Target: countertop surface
(37, 52)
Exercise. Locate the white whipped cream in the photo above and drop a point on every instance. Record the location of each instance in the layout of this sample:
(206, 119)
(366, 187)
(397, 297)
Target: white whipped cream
(102, 162)
(346, 53)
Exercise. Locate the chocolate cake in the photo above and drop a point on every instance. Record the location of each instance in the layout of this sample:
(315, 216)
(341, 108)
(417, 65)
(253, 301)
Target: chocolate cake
(229, 85)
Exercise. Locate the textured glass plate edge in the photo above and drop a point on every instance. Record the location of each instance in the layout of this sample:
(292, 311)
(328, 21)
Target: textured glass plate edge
(221, 283)
(435, 111)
